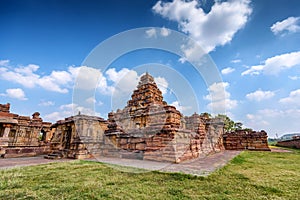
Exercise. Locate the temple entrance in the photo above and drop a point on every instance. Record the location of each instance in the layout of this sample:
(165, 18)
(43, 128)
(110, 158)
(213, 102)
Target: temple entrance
(43, 135)
(68, 138)
(1, 130)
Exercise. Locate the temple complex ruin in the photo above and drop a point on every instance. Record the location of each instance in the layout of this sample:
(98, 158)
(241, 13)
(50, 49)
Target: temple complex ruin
(147, 128)
(22, 135)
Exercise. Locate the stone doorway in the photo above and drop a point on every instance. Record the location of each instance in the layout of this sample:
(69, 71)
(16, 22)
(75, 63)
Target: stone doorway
(1, 130)
(68, 138)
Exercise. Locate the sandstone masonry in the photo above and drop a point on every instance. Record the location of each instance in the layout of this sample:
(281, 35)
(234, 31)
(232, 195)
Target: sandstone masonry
(22, 135)
(250, 140)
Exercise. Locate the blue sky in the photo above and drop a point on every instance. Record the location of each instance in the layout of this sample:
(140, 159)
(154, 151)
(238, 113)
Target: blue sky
(253, 44)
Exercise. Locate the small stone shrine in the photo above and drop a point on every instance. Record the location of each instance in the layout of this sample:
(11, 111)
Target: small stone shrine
(21, 135)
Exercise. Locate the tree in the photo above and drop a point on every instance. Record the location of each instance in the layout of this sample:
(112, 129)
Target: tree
(238, 125)
(230, 125)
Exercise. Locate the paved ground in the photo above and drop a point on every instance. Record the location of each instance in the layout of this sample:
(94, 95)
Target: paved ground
(201, 166)
(26, 161)
(280, 150)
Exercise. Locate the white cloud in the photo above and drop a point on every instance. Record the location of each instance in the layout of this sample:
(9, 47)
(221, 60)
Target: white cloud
(124, 81)
(294, 78)
(275, 64)
(250, 116)
(192, 51)
(4, 63)
(88, 78)
(151, 33)
(91, 100)
(289, 25)
(180, 107)
(227, 70)
(274, 121)
(257, 122)
(220, 98)
(209, 29)
(27, 76)
(15, 93)
(283, 119)
(162, 84)
(115, 76)
(68, 110)
(165, 32)
(260, 95)
(292, 99)
(27, 70)
(47, 103)
(236, 61)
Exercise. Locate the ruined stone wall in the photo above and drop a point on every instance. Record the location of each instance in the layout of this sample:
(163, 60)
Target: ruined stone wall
(21, 135)
(294, 143)
(170, 144)
(206, 136)
(241, 140)
(78, 136)
(5, 108)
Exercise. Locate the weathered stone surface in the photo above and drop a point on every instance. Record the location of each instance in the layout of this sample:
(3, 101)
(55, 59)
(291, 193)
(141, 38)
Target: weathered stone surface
(242, 139)
(293, 143)
(159, 130)
(78, 137)
(21, 135)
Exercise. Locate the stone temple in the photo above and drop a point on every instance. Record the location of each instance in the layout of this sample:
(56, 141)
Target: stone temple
(146, 129)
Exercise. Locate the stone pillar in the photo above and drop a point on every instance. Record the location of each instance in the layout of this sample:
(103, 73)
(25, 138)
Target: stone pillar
(6, 130)
(4, 140)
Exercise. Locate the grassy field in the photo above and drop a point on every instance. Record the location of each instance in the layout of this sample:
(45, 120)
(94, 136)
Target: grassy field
(251, 175)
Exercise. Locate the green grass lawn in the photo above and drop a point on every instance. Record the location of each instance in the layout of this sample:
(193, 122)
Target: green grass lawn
(251, 175)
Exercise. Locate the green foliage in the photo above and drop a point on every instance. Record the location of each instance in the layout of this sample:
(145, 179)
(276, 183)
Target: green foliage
(251, 175)
(230, 125)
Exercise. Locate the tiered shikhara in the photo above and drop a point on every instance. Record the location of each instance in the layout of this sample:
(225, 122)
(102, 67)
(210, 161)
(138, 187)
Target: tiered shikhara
(151, 129)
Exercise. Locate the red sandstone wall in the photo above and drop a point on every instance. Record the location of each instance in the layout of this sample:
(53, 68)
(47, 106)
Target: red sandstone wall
(294, 143)
(241, 140)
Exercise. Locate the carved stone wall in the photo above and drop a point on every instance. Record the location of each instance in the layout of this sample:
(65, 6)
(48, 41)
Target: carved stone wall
(78, 136)
(21, 135)
(148, 128)
(241, 140)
